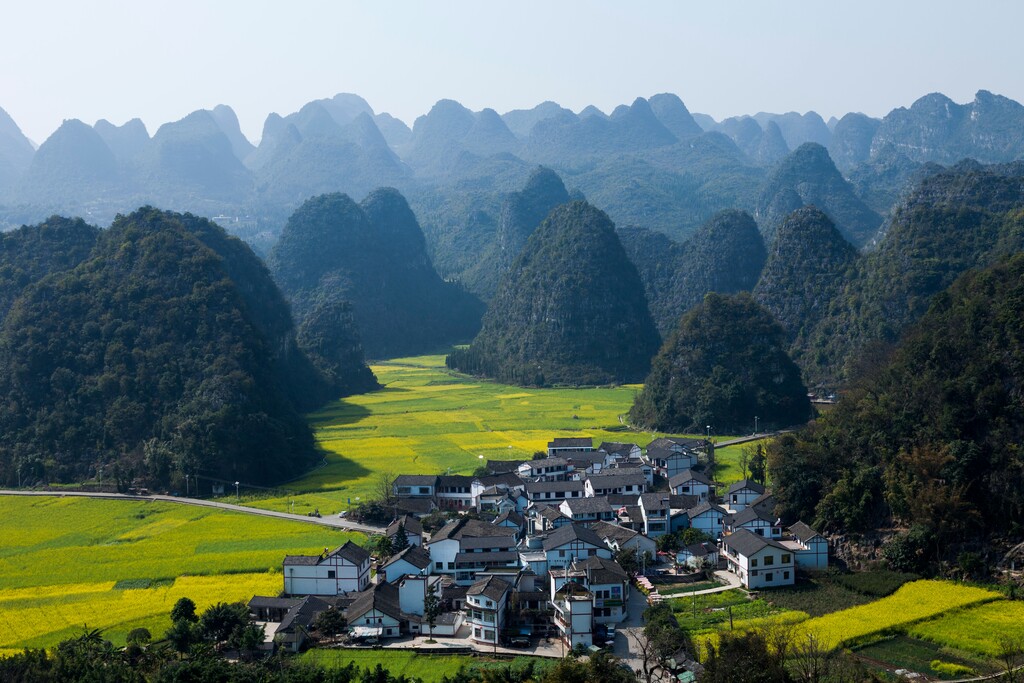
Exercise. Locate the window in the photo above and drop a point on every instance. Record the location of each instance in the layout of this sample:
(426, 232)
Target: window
(769, 577)
(769, 560)
(591, 552)
(488, 635)
(439, 565)
(561, 553)
(753, 562)
(759, 532)
(785, 576)
(476, 633)
(425, 490)
(785, 559)
(451, 565)
(388, 632)
(330, 573)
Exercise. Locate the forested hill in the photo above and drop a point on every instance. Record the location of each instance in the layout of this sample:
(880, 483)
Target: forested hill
(571, 310)
(965, 217)
(167, 351)
(930, 439)
(33, 251)
(372, 256)
(724, 363)
(725, 255)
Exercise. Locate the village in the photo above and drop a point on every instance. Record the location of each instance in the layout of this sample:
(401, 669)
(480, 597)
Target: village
(543, 556)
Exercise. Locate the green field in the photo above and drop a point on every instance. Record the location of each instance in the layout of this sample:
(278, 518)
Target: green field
(428, 420)
(115, 565)
(429, 668)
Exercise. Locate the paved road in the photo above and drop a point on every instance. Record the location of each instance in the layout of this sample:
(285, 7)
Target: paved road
(333, 522)
(752, 437)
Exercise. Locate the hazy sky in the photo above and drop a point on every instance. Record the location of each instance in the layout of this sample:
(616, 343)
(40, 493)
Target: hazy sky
(161, 59)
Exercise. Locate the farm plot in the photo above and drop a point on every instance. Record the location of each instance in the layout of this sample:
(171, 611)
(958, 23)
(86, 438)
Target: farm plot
(913, 602)
(977, 629)
(115, 565)
(428, 420)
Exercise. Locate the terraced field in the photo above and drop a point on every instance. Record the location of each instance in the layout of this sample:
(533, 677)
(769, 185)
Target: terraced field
(116, 565)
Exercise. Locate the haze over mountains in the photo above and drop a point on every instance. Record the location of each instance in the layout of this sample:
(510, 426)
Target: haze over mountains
(649, 163)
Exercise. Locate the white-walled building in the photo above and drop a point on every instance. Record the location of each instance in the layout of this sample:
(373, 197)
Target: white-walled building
(376, 612)
(759, 562)
(413, 560)
(692, 483)
(344, 570)
(811, 547)
(486, 601)
(742, 493)
(707, 517)
(573, 542)
(466, 546)
(574, 614)
(616, 482)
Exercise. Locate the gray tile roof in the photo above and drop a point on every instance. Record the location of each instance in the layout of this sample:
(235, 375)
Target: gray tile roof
(412, 525)
(746, 484)
(619, 534)
(553, 486)
(382, 597)
(350, 552)
(562, 442)
(416, 480)
(415, 555)
(803, 532)
(602, 571)
(588, 505)
(617, 478)
(701, 508)
(571, 533)
(491, 587)
(687, 475)
(747, 543)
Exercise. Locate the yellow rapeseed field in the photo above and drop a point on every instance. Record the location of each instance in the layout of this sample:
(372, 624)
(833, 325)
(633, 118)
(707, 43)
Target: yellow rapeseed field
(975, 629)
(67, 563)
(913, 602)
(428, 420)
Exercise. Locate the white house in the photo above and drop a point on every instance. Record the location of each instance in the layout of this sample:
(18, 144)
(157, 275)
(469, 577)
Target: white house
(344, 570)
(691, 483)
(558, 445)
(698, 555)
(486, 600)
(466, 546)
(415, 485)
(609, 584)
(410, 525)
(455, 492)
(620, 538)
(742, 493)
(811, 547)
(587, 510)
(553, 491)
(546, 469)
(656, 509)
(376, 612)
(616, 482)
(707, 517)
(573, 542)
(759, 562)
(413, 560)
(617, 451)
(574, 614)
(755, 519)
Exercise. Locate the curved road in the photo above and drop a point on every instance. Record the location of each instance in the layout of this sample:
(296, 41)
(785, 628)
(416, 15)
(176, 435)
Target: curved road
(333, 522)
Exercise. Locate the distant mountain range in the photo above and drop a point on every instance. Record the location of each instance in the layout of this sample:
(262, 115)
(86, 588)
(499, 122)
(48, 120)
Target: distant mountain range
(649, 164)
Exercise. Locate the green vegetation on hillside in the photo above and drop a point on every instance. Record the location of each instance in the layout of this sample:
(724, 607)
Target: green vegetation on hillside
(570, 311)
(167, 351)
(928, 439)
(725, 364)
(373, 256)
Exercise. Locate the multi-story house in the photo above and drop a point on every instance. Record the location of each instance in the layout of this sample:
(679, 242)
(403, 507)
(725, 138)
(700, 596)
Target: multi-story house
(343, 570)
(486, 602)
(466, 546)
(759, 562)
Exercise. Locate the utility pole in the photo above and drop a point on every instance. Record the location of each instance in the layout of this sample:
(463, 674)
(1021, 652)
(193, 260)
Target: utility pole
(755, 424)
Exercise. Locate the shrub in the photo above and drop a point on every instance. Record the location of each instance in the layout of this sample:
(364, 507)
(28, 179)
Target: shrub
(950, 669)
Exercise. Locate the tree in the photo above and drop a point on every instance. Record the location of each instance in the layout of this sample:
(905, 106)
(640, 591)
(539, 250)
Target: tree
(138, 636)
(220, 621)
(384, 547)
(743, 658)
(331, 622)
(384, 489)
(758, 462)
(1011, 655)
(431, 606)
(811, 662)
(184, 610)
(628, 560)
(399, 541)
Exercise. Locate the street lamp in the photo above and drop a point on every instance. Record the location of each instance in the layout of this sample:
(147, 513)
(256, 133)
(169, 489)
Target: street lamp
(709, 432)
(237, 497)
(755, 424)
(186, 484)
